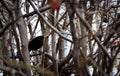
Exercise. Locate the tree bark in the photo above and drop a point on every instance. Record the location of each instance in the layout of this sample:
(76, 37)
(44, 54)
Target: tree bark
(23, 36)
(76, 52)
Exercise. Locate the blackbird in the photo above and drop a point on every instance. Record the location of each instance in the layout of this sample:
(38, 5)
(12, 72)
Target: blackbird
(36, 43)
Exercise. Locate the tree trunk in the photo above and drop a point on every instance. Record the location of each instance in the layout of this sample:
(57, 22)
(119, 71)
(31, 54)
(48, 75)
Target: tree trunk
(83, 43)
(23, 36)
(76, 52)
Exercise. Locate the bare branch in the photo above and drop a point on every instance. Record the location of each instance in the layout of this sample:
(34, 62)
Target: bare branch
(49, 25)
(94, 36)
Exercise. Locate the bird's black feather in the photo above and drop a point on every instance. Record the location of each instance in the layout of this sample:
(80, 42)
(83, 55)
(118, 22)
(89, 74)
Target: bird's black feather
(36, 43)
